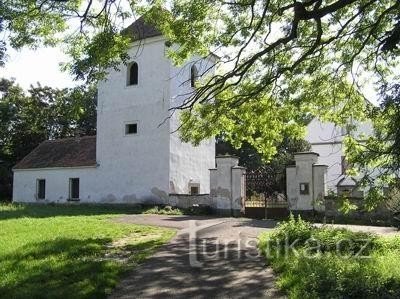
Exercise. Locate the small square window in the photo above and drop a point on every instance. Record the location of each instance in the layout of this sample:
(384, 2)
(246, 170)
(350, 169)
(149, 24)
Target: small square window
(304, 188)
(130, 129)
(74, 188)
(194, 190)
(41, 189)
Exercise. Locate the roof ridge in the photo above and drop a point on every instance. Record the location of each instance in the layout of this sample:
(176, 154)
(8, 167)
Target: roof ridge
(69, 138)
(142, 29)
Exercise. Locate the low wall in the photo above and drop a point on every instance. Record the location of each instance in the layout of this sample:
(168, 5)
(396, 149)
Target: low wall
(186, 201)
(332, 212)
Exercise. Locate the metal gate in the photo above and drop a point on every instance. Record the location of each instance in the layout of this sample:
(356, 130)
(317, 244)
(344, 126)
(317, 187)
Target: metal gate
(262, 201)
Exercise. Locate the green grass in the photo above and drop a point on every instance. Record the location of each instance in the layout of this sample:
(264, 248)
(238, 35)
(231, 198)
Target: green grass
(307, 271)
(69, 251)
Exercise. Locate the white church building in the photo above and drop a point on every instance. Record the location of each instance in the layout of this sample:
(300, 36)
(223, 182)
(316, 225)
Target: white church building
(323, 170)
(326, 139)
(136, 155)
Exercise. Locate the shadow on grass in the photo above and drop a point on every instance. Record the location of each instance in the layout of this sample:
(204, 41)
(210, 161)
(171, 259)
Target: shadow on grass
(11, 211)
(66, 268)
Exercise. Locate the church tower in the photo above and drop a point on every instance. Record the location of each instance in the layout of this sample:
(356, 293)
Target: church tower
(139, 155)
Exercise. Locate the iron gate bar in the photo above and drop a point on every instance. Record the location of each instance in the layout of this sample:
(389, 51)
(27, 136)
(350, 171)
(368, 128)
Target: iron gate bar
(260, 182)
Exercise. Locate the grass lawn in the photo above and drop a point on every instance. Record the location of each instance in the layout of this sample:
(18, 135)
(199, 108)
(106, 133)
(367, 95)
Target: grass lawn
(69, 251)
(332, 263)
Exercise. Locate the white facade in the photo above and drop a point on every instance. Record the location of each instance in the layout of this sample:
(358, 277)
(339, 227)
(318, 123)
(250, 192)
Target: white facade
(141, 167)
(57, 184)
(326, 139)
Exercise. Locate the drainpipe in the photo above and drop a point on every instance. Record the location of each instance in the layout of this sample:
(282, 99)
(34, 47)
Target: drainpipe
(312, 188)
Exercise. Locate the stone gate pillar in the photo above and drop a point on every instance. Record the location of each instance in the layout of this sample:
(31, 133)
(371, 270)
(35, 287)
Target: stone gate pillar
(305, 183)
(228, 186)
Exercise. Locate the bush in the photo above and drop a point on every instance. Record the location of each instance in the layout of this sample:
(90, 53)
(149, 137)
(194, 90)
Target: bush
(331, 276)
(329, 270)
(197, 209)
(4, 199)
(161, 210)
(293, 229)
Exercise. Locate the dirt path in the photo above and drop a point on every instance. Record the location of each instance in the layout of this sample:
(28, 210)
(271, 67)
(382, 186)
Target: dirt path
(209, 258)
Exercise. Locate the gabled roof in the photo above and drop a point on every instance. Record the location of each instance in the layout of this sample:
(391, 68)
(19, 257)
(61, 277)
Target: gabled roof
(347, 182)
(69, 152)
(140, 30)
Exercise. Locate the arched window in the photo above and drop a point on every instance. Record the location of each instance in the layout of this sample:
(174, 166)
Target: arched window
(193, 75)
(133, 74)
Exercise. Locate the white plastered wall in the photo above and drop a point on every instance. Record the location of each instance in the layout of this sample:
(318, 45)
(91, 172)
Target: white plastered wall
(57, 184)
(326, 139)
(134, 168)
(189, 163)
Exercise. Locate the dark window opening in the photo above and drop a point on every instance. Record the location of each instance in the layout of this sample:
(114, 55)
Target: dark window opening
(133, 74)
(193, 76)
(130, 129)
(304, 188)
(74, 188)
(194, 190)
(41, 189)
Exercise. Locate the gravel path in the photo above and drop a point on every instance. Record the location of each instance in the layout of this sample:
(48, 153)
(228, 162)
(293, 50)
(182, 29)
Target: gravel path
(208, 258)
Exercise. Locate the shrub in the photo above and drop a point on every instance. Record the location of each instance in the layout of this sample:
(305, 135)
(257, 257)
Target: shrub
(291, 230)
(332, 271)
(165, 210)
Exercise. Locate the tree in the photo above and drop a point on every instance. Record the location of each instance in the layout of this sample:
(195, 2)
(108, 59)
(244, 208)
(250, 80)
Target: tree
(377, 157)
(27, 119)
(281, 60)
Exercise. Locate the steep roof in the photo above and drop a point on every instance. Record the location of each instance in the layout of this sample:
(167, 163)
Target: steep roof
(140, 30)
(69, 152)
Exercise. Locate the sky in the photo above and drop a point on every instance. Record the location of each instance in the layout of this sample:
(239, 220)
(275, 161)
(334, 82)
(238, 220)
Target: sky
(40, 65)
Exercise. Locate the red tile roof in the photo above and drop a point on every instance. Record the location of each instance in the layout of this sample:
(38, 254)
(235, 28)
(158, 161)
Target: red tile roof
(68, 152)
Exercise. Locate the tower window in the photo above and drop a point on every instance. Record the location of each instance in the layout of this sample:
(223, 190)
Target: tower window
(41, 189)
(131, 129)
(133, 73)
(193, 75)
(74, 188)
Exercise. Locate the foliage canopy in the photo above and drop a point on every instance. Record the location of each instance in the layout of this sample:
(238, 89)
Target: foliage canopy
(42, 113)
(281, 61)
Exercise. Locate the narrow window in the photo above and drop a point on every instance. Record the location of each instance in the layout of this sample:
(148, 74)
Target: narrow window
(41, 189)
(344, 165)
(74, 188)
(133, 74)
(193, 75)
(346, 129)
(130, 129)
(343, 131)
